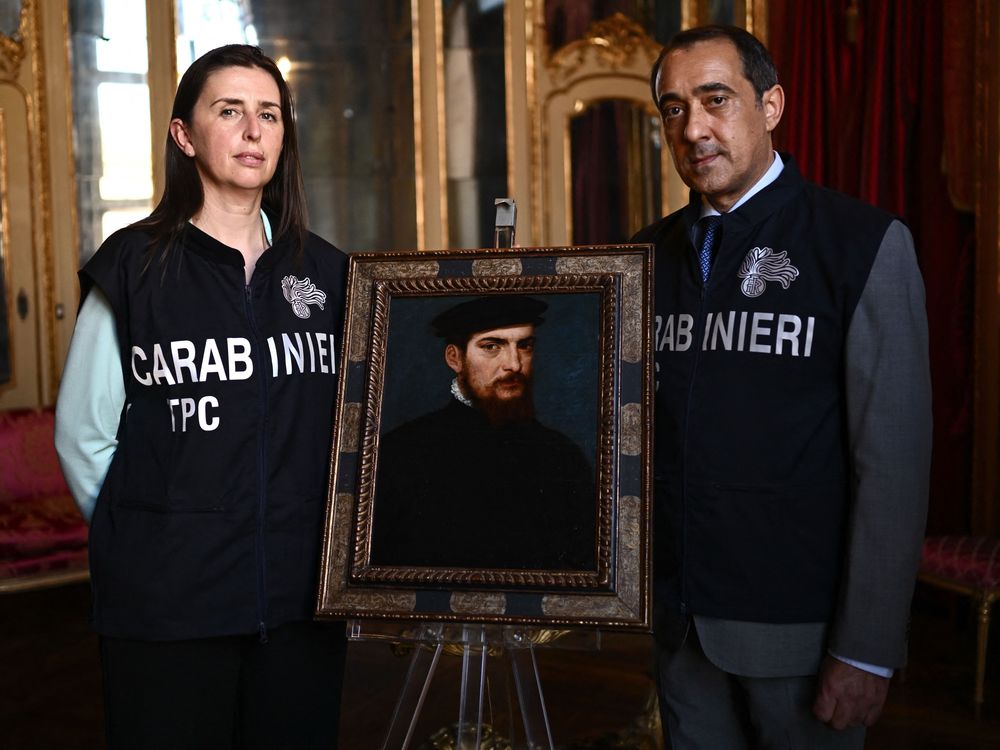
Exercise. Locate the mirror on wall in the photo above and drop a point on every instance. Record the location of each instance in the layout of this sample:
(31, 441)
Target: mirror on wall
(351, 76)
(10, 17)
(350, 69)
(723, 11)
(114, 165)
(352, 80)
(475, 118)
(615, 171)
(598, 56)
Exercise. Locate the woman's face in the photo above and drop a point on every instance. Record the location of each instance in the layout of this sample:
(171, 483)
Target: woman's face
(236, 131)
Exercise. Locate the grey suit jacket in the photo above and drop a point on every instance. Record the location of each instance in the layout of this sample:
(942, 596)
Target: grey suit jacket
(888, 406)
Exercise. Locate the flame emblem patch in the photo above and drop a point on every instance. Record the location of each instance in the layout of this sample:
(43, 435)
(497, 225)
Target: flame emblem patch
(761, 265)
(301, 293)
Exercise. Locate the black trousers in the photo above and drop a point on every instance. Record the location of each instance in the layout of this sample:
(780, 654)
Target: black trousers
(228, 692)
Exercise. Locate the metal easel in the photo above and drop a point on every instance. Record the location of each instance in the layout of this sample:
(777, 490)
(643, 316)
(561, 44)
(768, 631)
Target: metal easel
(477, 643)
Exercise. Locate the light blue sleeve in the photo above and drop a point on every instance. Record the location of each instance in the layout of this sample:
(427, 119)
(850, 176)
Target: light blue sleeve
(91, 397)
(885, 672)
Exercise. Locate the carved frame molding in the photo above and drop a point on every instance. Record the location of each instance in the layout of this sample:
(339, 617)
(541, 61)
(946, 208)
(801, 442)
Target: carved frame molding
(614, 43)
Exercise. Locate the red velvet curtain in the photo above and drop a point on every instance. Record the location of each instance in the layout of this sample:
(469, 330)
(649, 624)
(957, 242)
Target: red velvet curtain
(866, 114)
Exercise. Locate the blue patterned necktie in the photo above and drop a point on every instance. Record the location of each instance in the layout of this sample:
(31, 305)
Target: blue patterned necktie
(710, 231)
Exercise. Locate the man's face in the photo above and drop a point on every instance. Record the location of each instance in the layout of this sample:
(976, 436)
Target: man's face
(496, 364)
(719, 134)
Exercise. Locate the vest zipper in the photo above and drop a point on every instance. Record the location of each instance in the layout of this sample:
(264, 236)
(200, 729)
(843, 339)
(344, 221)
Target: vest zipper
(261, 473)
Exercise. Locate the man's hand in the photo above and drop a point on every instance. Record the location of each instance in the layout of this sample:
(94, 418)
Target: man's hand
(848, 696)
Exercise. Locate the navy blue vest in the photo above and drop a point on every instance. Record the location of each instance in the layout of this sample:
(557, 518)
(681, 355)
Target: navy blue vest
(752, 476)
(209, 521)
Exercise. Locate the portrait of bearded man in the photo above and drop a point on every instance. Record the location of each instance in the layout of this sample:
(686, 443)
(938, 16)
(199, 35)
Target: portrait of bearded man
(481, 482)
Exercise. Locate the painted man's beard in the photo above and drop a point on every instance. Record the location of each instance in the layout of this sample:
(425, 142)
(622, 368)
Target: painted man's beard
(503, 411)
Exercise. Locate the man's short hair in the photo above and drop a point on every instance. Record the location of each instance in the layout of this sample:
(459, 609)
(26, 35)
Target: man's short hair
(457, 324)
(758, 67)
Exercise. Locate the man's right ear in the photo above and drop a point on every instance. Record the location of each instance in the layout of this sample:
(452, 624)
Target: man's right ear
(453, 357)
(179, 132)
(773, 102)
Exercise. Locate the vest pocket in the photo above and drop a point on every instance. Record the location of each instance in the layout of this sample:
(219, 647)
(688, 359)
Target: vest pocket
(193, 476)
(179, 501)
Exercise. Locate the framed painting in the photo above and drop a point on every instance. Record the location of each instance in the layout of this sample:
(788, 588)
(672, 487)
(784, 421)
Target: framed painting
(492, 440)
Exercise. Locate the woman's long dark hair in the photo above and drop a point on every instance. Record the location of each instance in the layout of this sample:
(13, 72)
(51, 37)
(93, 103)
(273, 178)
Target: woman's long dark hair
(183, 196)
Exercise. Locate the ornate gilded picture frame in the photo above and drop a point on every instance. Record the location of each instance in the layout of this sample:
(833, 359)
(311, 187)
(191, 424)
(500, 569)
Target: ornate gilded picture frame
(492, 439)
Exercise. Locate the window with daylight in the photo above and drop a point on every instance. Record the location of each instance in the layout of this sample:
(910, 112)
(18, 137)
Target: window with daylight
(111, 117)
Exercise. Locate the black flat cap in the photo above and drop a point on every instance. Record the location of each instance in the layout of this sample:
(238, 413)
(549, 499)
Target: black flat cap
(486, 313)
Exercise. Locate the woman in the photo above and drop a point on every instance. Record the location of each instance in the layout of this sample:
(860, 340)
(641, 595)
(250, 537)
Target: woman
(194, 426)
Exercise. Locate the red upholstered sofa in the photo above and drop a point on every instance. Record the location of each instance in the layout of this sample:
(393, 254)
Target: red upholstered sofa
(43, 537)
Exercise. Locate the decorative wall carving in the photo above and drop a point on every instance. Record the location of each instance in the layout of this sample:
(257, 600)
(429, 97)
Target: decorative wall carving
(615, 42)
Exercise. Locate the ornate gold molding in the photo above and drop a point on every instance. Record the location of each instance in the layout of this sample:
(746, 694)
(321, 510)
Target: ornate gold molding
(36, 26)
(418, 128)
(6, 272)
(12, 47)
(534, 36)
(691, 13)
(757, 19)
(430, 157)
(615, 42)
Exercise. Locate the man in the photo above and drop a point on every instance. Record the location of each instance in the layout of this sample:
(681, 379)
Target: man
(792, 424)
(481, 483)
